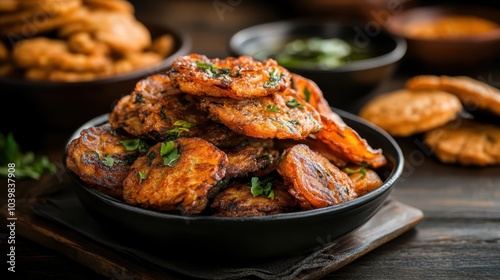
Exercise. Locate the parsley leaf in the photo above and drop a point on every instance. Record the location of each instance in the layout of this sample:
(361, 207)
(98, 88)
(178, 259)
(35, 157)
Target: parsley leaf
(135, 144)
(142, 176)
(272, 108)
(263, 188)
(180, 127)
(274, 78)
(27, 164)
(294, 103)
(350, 171)
(108, 161)
(169, 153)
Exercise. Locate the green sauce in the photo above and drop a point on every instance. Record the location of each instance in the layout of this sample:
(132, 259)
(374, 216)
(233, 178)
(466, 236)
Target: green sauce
(316, 52)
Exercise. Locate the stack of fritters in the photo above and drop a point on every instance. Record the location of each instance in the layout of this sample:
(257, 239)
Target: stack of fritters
(75, 40)
(226, 137)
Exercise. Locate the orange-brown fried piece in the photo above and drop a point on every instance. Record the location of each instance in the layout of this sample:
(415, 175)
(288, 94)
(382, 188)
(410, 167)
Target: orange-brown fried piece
(279, 115)
(314, 181)
(238, 201)
(157, 111)
(347, 143)
(100, 158)
(365, 180)
(252, 156)
(315, 145)
(308, 90)
(175, 175)
(234, 77)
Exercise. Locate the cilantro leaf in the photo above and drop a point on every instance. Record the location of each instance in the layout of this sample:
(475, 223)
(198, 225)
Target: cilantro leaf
(142, 176)
(108, 161)
(294, 103)
(272, 108)
(179, 127)
(169, 153)
(263, 188)
(135, 144)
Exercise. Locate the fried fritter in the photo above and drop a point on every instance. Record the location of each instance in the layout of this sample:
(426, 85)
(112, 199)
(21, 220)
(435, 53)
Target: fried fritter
(252, 156)
(238, 201)
(347, 143)
(234, 77)
(100, 159)
(365, 180)
(314, 181)
(308, 90)
(279, 115)
(175, 175)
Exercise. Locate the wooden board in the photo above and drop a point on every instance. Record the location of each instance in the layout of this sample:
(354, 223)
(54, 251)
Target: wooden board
(393, 219)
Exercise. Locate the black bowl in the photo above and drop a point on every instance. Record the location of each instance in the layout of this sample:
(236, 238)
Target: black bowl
(37, 107)
(341, 85)
(248, 238)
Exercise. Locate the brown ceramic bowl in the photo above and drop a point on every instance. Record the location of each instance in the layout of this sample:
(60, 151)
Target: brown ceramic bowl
(36, 107)
(448, 54)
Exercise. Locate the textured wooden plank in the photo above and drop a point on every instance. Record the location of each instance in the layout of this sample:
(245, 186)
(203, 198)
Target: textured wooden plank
(392, 220)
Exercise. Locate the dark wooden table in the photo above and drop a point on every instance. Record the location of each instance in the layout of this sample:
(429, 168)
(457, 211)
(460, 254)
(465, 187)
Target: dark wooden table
(459, 237)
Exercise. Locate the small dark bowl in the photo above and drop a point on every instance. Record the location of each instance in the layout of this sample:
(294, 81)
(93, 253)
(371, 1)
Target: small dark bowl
(231, 238)
(449, 55)
(341, 86)
(36, 107)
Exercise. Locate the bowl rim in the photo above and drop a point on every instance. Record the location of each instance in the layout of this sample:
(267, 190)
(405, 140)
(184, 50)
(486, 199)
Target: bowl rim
(185, 45)
(394, 26)
(395, 55)
(339, 208)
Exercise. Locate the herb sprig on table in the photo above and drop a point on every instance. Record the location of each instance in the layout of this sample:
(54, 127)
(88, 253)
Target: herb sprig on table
(28, 165)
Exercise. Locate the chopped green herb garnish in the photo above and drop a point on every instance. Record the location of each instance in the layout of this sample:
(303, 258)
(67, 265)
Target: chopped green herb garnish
(142, 176)
(162, 113)
(108, 161)
(180, 127)
(263, 188)
(169, 153)
(274, 78)
(135, 145)
(211, 69)
(294, 103)
(350, 171)
(138, 99)
(272, 108)
(307, 94)
(27, 164)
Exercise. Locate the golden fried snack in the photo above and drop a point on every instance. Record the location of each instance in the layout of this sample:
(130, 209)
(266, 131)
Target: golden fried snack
(121, 6)
(30, 11)
(308, 90)
(4, 52)
(252, 156)
(175, 175)
(405, 112)
(315, 145)
(99, 158)
(450, 26)
(8, 6)
(82, 42)
(465, 142)
(278, 115)
(136, 60)
(347, 144)
(238, 201)
(237, 78)
(163, 45)
(473, 93)
(365, 180)
(122, 32)
(313, 180)
(47, 74)
(41, 52)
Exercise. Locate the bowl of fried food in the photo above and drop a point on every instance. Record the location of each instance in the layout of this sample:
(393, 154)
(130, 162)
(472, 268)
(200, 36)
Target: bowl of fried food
(345, 60)
(449, 39)
(63, 62)
(231, 157)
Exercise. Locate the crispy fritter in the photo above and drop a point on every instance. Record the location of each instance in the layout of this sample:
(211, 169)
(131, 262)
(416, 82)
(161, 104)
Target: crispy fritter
(365, 180)
(314, 181)
(234, 77)
(100, 159)
(347, 143)
(238, 201)
(315, 145)
(279, 115)
(252, 156)
(308, 90)
(162, 181)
